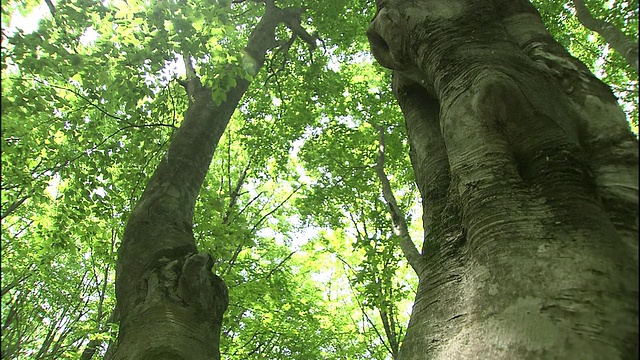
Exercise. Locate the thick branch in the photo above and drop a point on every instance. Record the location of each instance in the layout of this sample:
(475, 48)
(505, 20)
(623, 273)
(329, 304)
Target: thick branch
(188, 65)
(52, 8)
(621, 43)
(264, 34)
(400, 227)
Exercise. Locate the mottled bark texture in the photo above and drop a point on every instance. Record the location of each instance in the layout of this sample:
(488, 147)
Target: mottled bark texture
(529, 180)
(170, 303)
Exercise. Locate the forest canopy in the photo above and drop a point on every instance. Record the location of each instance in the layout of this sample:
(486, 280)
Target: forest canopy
(292, 208)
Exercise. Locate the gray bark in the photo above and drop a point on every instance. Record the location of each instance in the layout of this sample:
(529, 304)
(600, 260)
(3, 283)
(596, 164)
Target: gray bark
(170, 303)
(528, 174)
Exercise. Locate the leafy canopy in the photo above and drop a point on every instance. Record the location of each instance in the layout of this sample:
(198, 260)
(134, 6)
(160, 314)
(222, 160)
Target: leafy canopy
(291, 208)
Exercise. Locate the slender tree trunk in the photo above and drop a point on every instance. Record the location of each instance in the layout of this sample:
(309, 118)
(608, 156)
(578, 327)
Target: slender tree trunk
(529, 181)
(170, 304)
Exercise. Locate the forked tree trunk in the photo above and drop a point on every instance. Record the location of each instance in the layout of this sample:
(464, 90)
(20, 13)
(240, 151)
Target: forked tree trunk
(528, 174)
(170, 304)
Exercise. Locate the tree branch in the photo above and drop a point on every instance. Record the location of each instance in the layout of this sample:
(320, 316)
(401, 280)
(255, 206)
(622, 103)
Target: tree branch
(265, 216)
(16, 282)
(78, 94)
(621, 43)
(279, 264)
(52, 8)
(362, 307)
(188, 65)
(13, 207)
(233, 196)
(293, 21)
(389, 331)
(400, 227)
(255, 226)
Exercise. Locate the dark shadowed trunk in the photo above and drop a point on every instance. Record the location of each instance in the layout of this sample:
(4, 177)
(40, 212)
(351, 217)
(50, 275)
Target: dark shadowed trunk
(528, 175)
(170, 304)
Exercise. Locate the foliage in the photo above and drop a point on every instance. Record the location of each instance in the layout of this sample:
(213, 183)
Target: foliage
(291, 209)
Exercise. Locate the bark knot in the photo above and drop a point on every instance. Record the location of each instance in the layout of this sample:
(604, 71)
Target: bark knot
(201, 287)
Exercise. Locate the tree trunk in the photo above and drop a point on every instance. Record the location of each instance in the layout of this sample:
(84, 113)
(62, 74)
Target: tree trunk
(528, 175)
(170, 304)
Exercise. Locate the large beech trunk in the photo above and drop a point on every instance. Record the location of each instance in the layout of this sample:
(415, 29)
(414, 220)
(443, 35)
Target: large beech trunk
(170, 304)
(529, 180)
